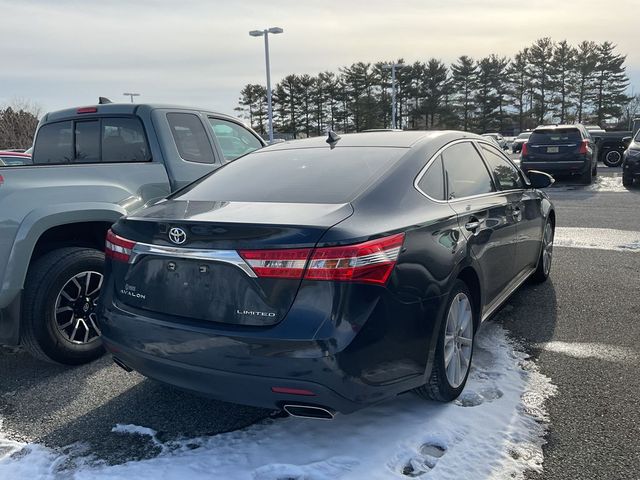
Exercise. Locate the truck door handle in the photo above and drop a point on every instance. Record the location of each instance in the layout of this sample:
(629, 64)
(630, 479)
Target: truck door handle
(472, 225)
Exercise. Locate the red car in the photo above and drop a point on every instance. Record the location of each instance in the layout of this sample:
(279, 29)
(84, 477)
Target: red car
(14, 158)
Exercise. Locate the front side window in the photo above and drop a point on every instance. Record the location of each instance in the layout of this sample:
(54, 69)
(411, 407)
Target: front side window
(54, 144)
(465, 172)
(432, 182)
(123, 140)
(505, 174)
(234, 139)
(190, 137)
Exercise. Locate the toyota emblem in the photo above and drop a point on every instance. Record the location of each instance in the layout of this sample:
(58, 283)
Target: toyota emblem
(177, 235)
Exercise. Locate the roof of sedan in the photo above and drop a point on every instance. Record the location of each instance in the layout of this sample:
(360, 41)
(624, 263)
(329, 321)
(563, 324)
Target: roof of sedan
(395, 139)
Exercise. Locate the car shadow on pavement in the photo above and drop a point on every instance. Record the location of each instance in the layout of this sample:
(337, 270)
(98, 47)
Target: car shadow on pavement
(75, 409)
(531, 314)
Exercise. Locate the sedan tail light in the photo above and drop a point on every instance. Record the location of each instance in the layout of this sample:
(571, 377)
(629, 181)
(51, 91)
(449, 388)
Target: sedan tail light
(368, 262)
(523, 152)
(118, 248)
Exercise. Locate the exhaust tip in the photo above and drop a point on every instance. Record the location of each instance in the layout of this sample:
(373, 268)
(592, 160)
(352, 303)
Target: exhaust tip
(309, 411)
(122, 365)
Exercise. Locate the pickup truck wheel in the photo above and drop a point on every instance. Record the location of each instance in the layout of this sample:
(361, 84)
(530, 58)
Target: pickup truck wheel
(59, 322)
(613, 158)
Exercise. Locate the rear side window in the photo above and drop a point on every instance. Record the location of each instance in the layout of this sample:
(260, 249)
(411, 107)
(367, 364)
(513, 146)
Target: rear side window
(555, 137)
(123, 140)
(54, 144)
(465, 172)
(505, 174)
(304, 175)
(432, 182)
(190, 137)
(234, 139)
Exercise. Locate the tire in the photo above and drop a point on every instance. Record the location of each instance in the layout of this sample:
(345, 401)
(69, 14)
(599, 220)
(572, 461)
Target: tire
(440, 386)
(587, 177)
(544, 263)
(594, 172)
(57, 327)
(627, 180)
(613, 158)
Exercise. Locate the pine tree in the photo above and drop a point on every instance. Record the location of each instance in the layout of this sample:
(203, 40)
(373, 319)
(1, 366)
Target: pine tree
(485, 98)
(434, 84)
(519, 85)
(585, 65)
(253, 106)
(464, 73)
(610, 83)
(540, 54)
(563, 74)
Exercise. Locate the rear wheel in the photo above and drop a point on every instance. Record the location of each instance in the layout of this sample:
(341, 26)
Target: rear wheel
(546, 254)
(454, 349)
(613, 158)
(627, 179)
(587, 177)
(59, 321)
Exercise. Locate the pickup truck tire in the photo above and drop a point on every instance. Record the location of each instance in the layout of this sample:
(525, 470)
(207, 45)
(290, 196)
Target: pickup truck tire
(613, 158)
(61, 290)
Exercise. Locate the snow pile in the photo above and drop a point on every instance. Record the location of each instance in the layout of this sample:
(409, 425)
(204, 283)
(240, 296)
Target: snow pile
(598, 238)
(495, 430)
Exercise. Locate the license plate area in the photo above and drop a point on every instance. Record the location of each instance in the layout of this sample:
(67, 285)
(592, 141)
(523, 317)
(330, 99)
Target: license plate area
(553, 149)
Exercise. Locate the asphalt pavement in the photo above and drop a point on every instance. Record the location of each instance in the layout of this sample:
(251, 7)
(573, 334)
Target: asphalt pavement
(581, 327)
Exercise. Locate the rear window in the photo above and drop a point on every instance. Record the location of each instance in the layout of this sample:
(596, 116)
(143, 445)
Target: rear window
(54, 143)
(555, 137)
(312, 175)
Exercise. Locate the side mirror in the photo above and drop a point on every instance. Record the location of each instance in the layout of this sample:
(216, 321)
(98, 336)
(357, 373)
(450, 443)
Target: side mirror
(626, 140)
(540, 179)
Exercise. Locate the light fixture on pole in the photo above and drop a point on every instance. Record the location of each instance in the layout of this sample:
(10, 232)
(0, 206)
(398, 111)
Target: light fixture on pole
(265, 33)
(131, 95)
(393, 66)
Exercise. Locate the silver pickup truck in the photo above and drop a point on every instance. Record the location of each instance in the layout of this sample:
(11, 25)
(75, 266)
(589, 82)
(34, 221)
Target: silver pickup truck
(91, 165)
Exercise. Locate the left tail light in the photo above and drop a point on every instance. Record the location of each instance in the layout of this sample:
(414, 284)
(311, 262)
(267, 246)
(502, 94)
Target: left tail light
(583, 147)
(369, 262)
(118, 248)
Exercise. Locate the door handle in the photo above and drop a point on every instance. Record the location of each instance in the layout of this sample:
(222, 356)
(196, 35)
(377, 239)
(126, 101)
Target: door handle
(472, 225)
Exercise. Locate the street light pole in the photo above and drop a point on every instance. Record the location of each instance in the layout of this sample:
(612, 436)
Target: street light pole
(393, 68)
(131, 95)
(265, 33)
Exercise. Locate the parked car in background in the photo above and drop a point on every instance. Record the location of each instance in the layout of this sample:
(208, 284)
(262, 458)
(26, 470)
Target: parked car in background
(14, 158)
(91, 165)
(319, 278)
(499, 139)
(516, 146)
(631, 162)
(562, 150)
(611, 146)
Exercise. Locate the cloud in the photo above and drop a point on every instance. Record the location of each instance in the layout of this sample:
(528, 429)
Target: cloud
(199, 52)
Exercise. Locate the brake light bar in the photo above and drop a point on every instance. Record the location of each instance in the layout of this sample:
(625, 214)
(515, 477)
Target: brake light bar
(369, 262)
(118, 248)
(87, 110)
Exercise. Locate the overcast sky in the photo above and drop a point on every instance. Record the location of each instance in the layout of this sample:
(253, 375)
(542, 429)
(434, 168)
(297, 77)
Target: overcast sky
(68, 52)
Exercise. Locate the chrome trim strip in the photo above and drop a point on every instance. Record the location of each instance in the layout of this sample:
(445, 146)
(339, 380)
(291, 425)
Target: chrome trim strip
(506, 293)
(230, 257)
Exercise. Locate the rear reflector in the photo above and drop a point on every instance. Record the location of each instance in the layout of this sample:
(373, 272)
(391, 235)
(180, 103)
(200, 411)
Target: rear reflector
(293, 391)
(87, 110)
(117, 247)
(368, 262)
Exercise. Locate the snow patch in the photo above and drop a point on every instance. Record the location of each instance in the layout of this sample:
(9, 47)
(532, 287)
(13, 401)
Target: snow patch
(601, 351)
(597, 238)
(495, 430)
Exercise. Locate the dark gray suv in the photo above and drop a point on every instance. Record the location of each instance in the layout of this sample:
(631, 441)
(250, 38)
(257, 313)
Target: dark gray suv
(560, 150)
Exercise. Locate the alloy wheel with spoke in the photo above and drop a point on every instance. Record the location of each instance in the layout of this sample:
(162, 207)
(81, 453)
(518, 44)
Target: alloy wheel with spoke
(75, 308)
(547, 248)
(458, 340)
